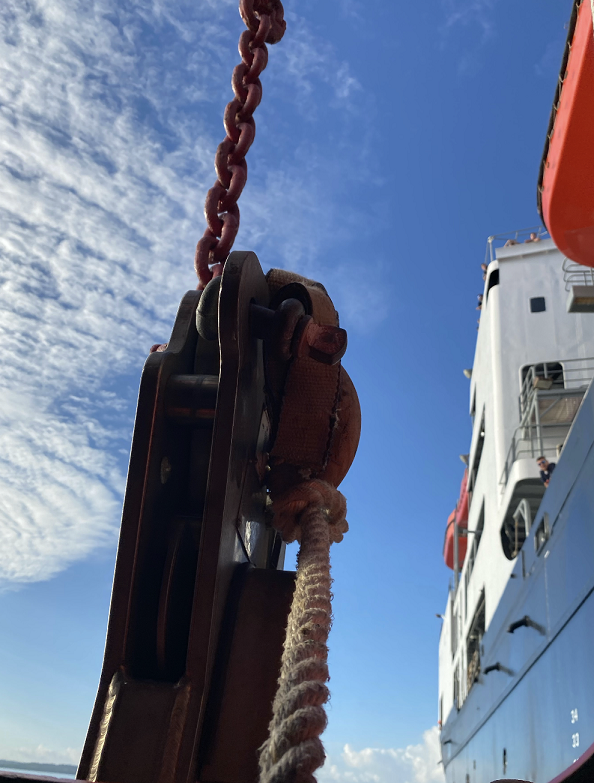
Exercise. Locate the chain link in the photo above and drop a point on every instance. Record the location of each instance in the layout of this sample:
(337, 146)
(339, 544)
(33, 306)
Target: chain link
(265, 23)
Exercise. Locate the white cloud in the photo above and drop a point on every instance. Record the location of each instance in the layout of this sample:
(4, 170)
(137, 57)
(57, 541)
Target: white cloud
(91, 212)
(549, 63)
(59, 495)
(39, 754)
(477, 16)
(353, 10)
(470, 12)
(307, 62)
(413, 764)
(106, 153)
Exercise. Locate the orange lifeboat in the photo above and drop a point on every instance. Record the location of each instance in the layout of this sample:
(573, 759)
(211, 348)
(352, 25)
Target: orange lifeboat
(459, 515)
(462, 505)
(566, 178)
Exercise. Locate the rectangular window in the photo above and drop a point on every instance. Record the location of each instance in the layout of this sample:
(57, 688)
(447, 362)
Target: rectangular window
(454, 628)
(548, 375)
(537, 304)
(473, 545)
(537, 378)
(473, 643)
(493, 280)
(457, 695)
(478, 452)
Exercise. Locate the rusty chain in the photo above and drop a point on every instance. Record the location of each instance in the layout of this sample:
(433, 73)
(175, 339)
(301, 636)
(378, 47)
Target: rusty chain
(265, 23)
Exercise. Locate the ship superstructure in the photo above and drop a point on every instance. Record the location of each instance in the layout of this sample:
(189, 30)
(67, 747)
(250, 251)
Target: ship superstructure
(533, 366)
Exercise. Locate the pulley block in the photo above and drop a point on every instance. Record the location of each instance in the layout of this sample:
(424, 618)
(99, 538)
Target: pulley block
(200, 601)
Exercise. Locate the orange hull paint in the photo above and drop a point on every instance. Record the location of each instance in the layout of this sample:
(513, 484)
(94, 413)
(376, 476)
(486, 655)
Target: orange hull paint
(448, 545)
(567, 186)
(460, 515)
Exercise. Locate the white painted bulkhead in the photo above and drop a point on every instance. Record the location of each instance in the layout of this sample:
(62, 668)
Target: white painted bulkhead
(510, 336)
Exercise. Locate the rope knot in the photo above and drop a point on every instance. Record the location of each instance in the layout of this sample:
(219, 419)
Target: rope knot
(313, 495)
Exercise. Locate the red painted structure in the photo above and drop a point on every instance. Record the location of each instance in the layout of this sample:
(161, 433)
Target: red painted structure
(566, 180)
(459, 515)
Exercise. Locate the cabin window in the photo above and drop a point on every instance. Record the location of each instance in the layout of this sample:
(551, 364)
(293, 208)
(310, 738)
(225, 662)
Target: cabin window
(492, 281)
(454, 628)
(548, 375)
(473, 643)
(478, 452)
(473, 545)
(537, 304)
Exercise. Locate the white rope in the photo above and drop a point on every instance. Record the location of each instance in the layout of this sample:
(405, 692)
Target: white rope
(293, 750)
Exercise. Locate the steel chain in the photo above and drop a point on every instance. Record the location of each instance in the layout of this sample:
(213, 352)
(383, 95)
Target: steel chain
(265, 23)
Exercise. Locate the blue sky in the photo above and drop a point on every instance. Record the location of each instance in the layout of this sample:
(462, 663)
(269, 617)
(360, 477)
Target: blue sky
(392, 139)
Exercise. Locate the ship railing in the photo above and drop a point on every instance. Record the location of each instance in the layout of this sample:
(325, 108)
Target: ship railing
(576, 274)
(537, 440)
(549, 386)
(550, 398)
(519, 237)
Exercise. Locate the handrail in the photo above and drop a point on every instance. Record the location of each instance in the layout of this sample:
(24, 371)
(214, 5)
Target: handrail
(535, 436)
(534, 440)
(561, 375)
(576, 274)
(519, 237)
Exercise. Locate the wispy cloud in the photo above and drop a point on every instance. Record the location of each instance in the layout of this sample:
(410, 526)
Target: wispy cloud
(39, 754)
(550, 62)
(106, 147)
(93, 207)
(413, 764)
(470, 12)
(308, 63)
(475, 17)
(353, 10)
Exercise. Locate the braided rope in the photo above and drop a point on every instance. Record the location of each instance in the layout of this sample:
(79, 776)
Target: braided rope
(293, 750)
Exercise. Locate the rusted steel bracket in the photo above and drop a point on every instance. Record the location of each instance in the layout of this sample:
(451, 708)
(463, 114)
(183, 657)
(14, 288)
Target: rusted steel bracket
(198, 608)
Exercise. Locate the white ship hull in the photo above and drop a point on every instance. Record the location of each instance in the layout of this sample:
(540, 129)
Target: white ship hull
(516, 654)
(533, 717)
